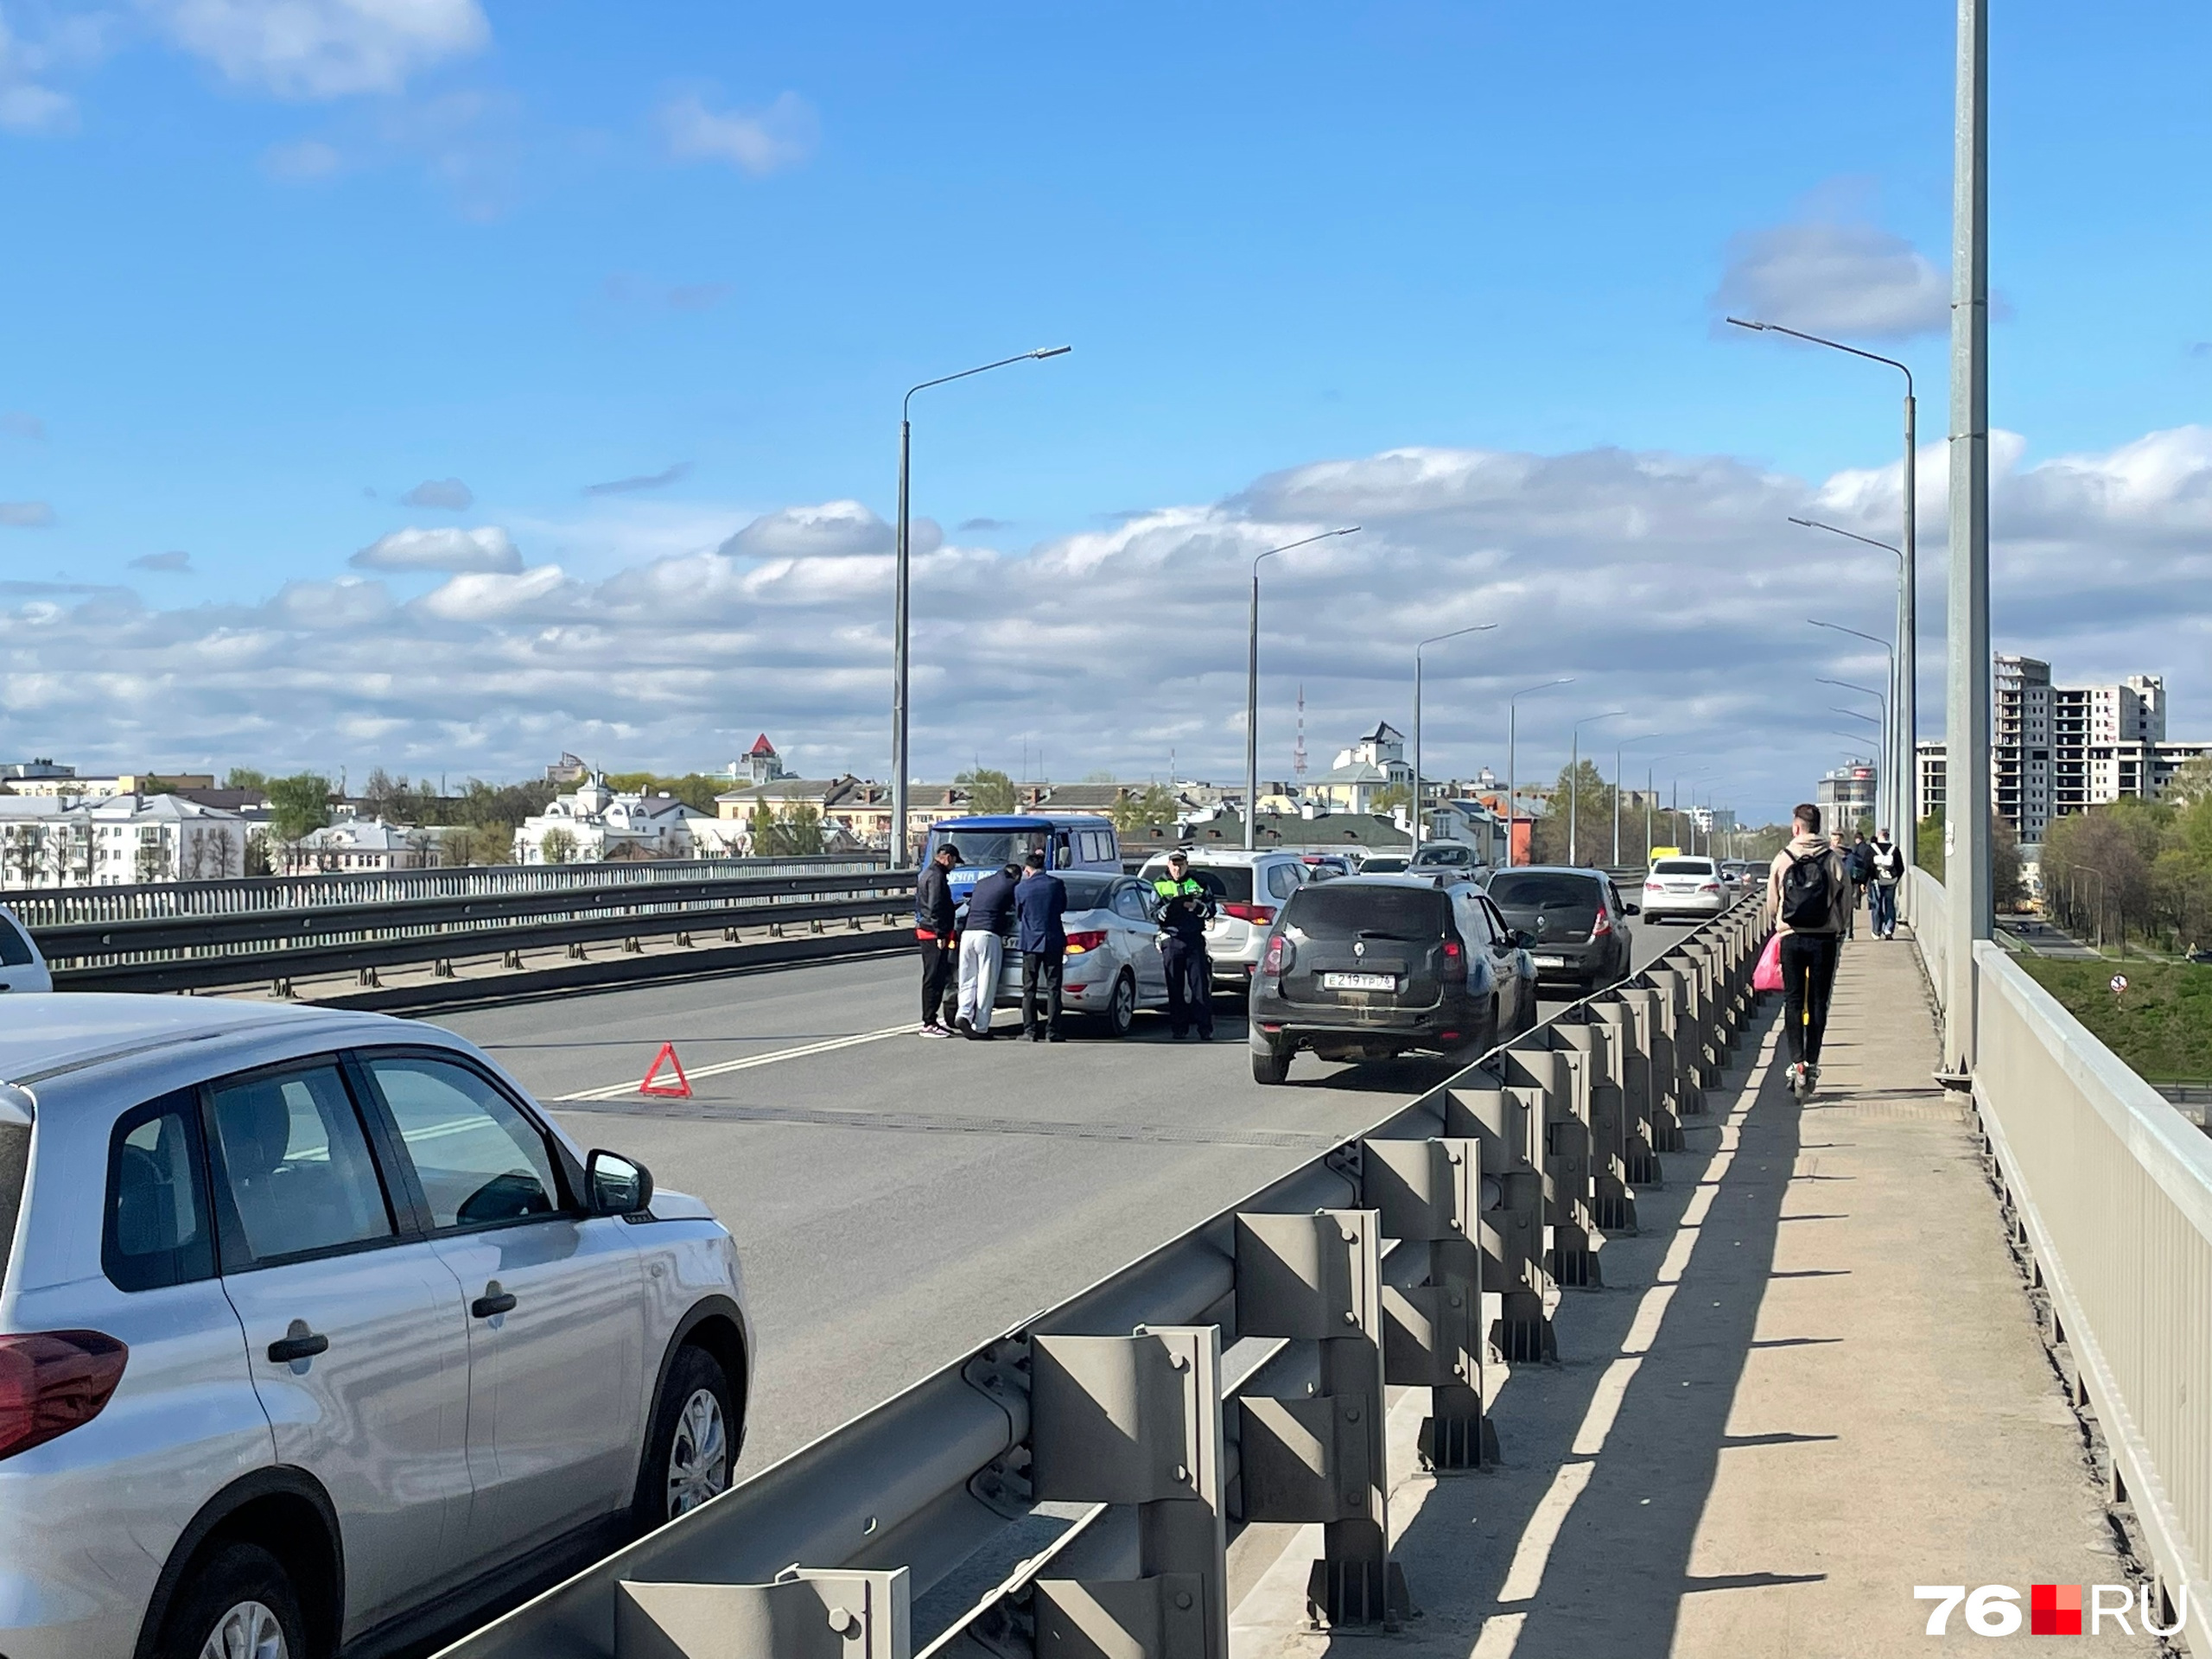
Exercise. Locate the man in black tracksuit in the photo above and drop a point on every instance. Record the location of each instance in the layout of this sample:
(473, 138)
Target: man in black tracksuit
(1184, 907)
(935, 918)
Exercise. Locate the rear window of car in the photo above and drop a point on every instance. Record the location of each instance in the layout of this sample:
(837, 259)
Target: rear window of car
(1340, 909)
(1086, 891)
(1682, 867)
(14, 1166)
(14, 950)
(1231, 883)
(1535, 888)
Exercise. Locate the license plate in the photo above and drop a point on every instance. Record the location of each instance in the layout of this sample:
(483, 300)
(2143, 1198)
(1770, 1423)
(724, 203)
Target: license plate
(1359, 982)
(1551, 961)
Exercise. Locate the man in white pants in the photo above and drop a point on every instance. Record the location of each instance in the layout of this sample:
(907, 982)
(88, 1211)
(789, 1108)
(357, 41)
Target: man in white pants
(990, 912)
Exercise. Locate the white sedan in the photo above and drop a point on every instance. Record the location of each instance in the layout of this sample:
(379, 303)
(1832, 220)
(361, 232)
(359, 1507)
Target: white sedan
(1113, 965)
(1690, 888)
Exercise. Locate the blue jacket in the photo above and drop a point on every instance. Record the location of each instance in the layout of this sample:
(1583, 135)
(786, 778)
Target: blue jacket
(990, 906)
(1038, 904)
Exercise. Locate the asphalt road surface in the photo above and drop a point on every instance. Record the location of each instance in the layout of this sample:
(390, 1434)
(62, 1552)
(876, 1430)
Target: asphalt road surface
(898, 1201)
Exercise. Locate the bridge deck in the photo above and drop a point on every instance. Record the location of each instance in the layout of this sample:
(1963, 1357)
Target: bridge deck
(1812, 1382)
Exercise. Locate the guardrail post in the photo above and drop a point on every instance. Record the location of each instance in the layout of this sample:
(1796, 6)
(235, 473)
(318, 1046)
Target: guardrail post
(802, 1615)
(1507, 1124)
(1594, 1048)
(1642, 1002)
(1135, 1419)
(1430, 1193)
(1632, 1069)
(1323, 1458)
(1680, 1050)
(1532, 1063)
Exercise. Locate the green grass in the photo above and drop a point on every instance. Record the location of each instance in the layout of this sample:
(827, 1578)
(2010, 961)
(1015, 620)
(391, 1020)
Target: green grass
(2162, 1026)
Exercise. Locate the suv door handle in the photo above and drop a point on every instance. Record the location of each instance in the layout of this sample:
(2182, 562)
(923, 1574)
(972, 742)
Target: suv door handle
(492, 1302)
(297, 1343)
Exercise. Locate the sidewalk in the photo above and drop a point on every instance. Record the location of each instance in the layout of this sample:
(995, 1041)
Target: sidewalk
(1812, 1382)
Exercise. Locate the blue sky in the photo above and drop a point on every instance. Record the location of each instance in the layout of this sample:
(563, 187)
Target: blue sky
(274, 264)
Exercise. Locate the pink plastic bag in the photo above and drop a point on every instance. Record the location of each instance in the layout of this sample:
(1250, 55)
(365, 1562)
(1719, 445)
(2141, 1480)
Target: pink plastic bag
(1767, 976)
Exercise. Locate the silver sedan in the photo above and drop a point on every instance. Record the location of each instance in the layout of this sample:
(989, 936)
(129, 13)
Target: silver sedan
(1113, 966)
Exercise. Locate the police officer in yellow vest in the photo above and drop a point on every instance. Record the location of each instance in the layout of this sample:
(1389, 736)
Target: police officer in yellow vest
(1184, 907)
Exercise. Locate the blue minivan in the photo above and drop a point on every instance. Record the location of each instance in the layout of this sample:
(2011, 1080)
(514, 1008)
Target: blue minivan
(1071, 841)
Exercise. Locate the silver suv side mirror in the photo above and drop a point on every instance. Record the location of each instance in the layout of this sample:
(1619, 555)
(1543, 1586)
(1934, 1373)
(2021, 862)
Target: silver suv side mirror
(617, 1185)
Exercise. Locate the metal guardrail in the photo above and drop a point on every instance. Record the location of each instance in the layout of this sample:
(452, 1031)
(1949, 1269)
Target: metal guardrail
(220, 948)
(1236, 1375)
(2107, 1189)
(43, 907)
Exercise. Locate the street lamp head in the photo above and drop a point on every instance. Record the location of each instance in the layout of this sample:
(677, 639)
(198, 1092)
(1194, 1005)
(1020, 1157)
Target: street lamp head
(1052, 350)
(1758, 327)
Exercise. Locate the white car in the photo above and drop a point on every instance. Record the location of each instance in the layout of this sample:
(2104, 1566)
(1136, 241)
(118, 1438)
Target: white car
(1248, 889)
(315, 1333)
(1113, 966)
(22, 968)
(1689, 888)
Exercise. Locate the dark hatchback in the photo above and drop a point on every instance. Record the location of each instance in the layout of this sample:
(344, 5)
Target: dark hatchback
(1371, 967)
(1575, 919)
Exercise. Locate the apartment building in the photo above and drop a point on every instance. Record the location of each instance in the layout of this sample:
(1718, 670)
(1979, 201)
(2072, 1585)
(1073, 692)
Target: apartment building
(2057, 749)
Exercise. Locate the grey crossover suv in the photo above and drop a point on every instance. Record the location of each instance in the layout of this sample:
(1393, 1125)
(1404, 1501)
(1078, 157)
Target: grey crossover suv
(314, 1332)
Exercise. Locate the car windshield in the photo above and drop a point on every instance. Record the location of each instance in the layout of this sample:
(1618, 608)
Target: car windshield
(1340, 909)
(1682, 867)
(1446, 855)
(1389, 864)
(1086, 891)
(986, 848)
(1523, 889)
(1229, 884)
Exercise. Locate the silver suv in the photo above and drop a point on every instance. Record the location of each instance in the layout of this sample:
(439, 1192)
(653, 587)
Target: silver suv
(1248, 889)
(312, 1328)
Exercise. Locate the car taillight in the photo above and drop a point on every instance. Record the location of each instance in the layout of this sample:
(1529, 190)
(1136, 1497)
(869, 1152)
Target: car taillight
(51, 1382)
(1280, 955)
(1087, 939)
(1602, 926)
(1655, 887)
(1455, 960)
(1709, 887)
(1258, 915)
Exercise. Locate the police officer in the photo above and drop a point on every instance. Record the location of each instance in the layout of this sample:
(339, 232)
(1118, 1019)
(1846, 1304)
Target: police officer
(1184, 907)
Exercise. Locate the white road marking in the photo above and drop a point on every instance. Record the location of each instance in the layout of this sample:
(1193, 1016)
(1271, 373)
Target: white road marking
(721, 1068)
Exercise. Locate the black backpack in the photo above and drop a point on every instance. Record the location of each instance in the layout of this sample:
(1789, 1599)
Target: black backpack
(1805, 893)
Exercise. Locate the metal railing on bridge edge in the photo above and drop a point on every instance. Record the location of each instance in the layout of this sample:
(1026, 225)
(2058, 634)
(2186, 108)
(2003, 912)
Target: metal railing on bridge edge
(364, 924)
(1237, 1375)
(2107, 1193)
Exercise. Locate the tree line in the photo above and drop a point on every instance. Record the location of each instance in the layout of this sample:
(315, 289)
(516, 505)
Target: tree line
(2138, 868)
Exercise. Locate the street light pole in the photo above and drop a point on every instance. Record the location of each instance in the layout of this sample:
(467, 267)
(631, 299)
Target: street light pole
(1966, 822)
(1871, 639)
(1252, 688)
(1418, 818)
(900, 606)
(1512, 777)
(1575, 778)
(1908, 618)
(1887, 731)
(1900, 762)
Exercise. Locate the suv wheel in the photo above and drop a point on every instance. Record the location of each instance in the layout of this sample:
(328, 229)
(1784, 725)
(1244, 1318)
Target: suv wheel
(1122, 1011)
(687, 1452)
(240, 1605)
(1271, 1065)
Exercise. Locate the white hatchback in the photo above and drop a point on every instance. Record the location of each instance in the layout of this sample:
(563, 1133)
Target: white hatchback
(315, 1331)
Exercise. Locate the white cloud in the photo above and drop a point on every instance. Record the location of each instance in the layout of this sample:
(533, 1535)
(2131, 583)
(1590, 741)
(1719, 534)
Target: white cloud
(487, 549)
(1670, 585)
(26, 515)
(447, 493)
(18, 424)
(323, 48)
(755, 141)
(301, 162)
(1853, 280)
(26, 106)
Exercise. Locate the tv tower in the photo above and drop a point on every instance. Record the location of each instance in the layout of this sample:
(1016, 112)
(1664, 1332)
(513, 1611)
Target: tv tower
(1298, 749)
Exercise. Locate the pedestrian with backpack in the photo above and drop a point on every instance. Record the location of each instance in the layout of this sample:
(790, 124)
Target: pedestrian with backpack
(1808, 892)
(1859, 865)
(1888, 862)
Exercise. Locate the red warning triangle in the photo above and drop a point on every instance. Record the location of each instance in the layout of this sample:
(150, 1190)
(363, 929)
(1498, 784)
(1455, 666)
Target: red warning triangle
(680, 1089)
